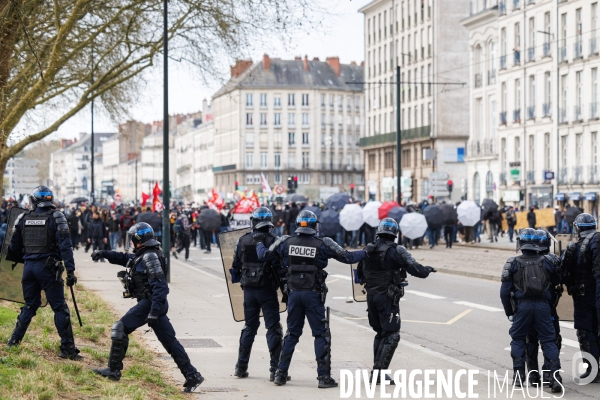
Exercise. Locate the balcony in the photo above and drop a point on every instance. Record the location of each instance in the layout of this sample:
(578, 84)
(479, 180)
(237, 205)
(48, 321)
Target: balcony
(547, 109)
(502, 62)
(594, 111)
(563, 54)
(531, 177)
(529, 2)
(491, 77)
(517, 116)
(578, 175)
(562, 176)
(562, 116)
(249, 143)
(531, 112)
(516, 4)
(482, 148)
(546, 50)
(577, 114)
(422, 132)
(531, 54)
(578, 50)
(503, 118)
(516, 58)
(477, 80)
(594, 49)
(593, 174)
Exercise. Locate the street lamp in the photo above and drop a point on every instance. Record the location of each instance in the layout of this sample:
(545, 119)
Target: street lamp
(166, 237)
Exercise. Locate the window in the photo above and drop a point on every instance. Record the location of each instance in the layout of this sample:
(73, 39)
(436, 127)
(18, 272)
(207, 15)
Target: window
(547, 89)
(263, 160)
(249, 139)
(503, 154)
(291, 138)
(277, 101)
(517, 149)
(371, 163)
(249, 179)
(277, 178)
(578, 88)
(249, 160)
(291, 119)
(277, 160)
(331, 101)
(248, 119)
(405, 160)
(595, 151)
(388, 160)
(305, 138)
(249, 100)
(563, 145)
(531, 161)
(304, 178)
(305, 100)
(291, 100)
(517, 37)
(532, 91)
(277, 119)
(578, 149)
(305, 158)
(340, 102)
(594, 87)
(263, 119)
(547, 153)
(517, 94)
(304, 119)
(291, 160)
(263, 99)
(323, 98)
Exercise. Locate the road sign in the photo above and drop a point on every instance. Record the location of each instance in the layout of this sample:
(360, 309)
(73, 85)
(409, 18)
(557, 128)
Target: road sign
(548, 175)
(279, 189)
(442, 176)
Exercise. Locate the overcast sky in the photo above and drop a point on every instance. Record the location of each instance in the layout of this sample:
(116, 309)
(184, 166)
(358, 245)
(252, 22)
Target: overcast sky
(343, 38)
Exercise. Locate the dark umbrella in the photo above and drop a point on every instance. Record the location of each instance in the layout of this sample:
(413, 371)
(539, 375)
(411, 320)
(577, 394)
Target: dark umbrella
(209, 220)
(316, 210)
(338, 200)
(450, 215)
(397, 213)
(296, 198)
(489, 205)
(330, 223)
(434, 216)
(571, 214)
(79, 200)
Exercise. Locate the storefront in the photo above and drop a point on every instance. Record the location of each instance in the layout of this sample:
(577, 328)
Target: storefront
(540, 196)
(575, 199)
(589, 203)
(560, 198)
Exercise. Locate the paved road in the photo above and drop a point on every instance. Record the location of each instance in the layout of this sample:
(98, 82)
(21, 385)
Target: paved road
(448, 322)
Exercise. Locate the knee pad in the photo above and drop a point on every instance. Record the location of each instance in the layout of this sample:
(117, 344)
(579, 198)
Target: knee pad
(250, 329)
(118, 331)
(393, 339)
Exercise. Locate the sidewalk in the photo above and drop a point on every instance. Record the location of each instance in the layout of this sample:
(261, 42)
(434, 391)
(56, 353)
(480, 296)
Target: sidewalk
(201, 314)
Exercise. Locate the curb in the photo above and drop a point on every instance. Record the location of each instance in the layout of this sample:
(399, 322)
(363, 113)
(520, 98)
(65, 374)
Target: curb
(469, 274)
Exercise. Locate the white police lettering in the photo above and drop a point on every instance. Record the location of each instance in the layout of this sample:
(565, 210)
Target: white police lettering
(35, 222)
(302, 251)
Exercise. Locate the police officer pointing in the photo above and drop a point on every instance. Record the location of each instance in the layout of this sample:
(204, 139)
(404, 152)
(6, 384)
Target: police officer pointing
(259, 283)
(525, 295)
(384, 273)
(304, 258)
(145, 281)
(42, 236)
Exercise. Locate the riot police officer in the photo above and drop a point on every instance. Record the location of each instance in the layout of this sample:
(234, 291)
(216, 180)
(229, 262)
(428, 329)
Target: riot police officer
(525, 295)
(43, 239)
(577, 267)
(532, 338)
(145, 281)
(304, 257)
(259, 280)
(384, 273)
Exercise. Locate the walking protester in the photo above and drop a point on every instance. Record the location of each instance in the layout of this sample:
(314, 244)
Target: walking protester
(511, 221)
(183, 230)
(126, 221)
(97, 233)
(531, 220)
(494, 225)
(105, 218)
(113, 230)
(74, 224)
(294, 210)
(86, 221)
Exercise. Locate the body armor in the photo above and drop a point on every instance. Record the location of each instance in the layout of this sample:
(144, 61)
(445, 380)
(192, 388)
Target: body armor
(255, 274)
(137, 281)
(37, 238)
(302, 271)
(583, 273)
(377, 275)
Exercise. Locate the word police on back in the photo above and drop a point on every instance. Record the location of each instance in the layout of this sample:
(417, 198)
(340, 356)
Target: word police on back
(302, 251)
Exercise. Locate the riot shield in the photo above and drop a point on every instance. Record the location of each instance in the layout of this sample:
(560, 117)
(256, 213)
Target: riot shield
(11, 265)
(227, 241)
(565, 305)
(358, 292)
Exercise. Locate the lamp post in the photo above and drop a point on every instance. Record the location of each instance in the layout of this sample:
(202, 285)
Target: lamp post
(166, 237)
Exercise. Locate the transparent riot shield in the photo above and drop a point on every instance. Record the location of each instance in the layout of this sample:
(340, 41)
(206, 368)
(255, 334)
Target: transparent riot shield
(11, 265)
(358, 291)
(565, 305)
(228, 241)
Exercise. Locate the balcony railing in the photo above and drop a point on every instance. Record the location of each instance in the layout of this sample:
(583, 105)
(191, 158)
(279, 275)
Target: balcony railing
(562, 116)
(390, 138)
(578, 175)
(531, 177)
(546, 50)
(531, 54)
(491, 77)
(531, 112)
(578, 49)
(593, 174)
(594, 49)
(577, 113)
(517, 57)
(562, 176)
(502, 62)
(594, 111)
(478, 80)
(517, 116)
(482, 148)
(547, 109)
(503, 118)
(563, 54)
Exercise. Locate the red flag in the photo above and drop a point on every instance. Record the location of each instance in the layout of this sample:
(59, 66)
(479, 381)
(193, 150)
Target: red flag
(145, 198)
(246, 205)
(155, 193)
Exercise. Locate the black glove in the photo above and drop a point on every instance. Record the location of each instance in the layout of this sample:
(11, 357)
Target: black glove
(97, 254)
(430, 269)
(71, 278)
(152, 320)
(259, 238)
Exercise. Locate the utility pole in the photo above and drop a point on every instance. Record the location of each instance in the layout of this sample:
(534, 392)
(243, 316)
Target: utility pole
(92, 194)
(398, 138)
(166, 237)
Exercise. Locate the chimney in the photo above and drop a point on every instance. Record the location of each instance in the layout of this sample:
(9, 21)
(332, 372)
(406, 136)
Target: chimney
(353, 63)
(239, 67)
(266, 62)
(298, 58)
(306, 63)
(362, 63)
(316, 59)
(334, 63)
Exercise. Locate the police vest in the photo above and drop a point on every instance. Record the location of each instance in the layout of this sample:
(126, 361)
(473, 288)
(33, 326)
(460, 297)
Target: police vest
(139, 287)
(377, 275)
(531, 278)
(302, 270)
(37, 236)
(255, 274)
(584, 270)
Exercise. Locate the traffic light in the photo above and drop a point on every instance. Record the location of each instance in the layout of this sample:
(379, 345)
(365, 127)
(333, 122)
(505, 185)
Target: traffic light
(295, 181)
(290, 182)
(236, 186)
(449, 186)
(352, 190)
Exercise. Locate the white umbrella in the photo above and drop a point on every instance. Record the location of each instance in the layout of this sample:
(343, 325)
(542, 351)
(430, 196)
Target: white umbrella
(351, 217)
(469, 213)
(370, 213)
(413, 225)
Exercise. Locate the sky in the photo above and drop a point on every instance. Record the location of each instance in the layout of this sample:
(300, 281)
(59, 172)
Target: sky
(343, 37)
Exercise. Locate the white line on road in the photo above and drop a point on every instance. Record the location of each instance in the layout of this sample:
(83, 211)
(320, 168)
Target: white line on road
(570, 343)
(423, 294)
(340, 276)
(479, 306)
(568, 325)
(341, 298)
(198, 270)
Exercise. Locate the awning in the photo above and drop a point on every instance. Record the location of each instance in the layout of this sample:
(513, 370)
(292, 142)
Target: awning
(591, 196)
(559, 196)
(575, 196)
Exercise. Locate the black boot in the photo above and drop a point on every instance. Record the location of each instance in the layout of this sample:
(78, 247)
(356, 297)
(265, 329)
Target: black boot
(275, 351)
(108, 373)
(70, 352)
(519, 377)
(326, 381)
(387, 378)
(192, 382)
(547, 378)
(556, 383)
(12, 342)
(281, 377)
(272, 371)
(534, 378)
(241, 370)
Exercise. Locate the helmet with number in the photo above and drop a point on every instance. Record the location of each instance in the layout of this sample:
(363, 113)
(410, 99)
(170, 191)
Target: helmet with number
(388, 227)
(528, 240)
(306, 222)
(261, 217)
(140, 234)
(543, 239)
(42, 196)
(584, 222)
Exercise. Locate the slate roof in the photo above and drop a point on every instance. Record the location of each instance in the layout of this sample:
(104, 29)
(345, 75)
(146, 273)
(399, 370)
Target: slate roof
(291, 74)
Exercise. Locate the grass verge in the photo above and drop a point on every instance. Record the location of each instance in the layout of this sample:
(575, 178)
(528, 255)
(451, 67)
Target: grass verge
(33, 370)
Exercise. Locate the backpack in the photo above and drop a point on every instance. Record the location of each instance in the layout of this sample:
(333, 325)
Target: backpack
(127, 222)
(532, 277)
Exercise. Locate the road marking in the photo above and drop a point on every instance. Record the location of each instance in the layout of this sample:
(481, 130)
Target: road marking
(453, 320)
(568, 325)
(341, 298)
(198, 270)
(341, 277)
(479, 306)
(334, 280)
(423, 294)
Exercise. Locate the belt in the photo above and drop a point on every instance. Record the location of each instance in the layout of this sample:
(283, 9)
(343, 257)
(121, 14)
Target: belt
(530, 300)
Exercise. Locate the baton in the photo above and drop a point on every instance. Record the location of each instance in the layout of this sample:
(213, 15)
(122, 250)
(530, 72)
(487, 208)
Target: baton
(75, 304)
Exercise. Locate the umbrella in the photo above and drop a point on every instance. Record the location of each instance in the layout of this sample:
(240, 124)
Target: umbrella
(450, 216)
(489, 206)
(330, 223)
(397, 213)
(316, 210)
(209, 220)
(79, 200)
(370, 213)
(351, 217)
(413, 225)
(434, 216)
(469, 213)
(571, 214)
(296, 198)
(386, 207)
(338, 200)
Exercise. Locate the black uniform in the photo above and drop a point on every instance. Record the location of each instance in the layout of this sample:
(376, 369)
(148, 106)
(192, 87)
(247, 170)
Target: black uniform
(383, 272)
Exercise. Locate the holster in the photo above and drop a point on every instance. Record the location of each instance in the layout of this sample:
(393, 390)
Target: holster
(395, 292)
(56, 267)
(323, 292)
(558, 291)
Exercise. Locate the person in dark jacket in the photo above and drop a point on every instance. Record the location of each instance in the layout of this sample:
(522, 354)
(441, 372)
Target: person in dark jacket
(97, 235)
(531, 217)
(73, 222)
(294, 210)
(2, 233)
(113, 230)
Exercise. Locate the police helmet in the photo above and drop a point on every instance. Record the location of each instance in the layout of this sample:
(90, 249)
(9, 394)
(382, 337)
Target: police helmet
(528, 239)
(140, 233)
(387, 227)
(584, 222)
(306, 222)
(42, 196)
(543, 239)
(261, 217)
